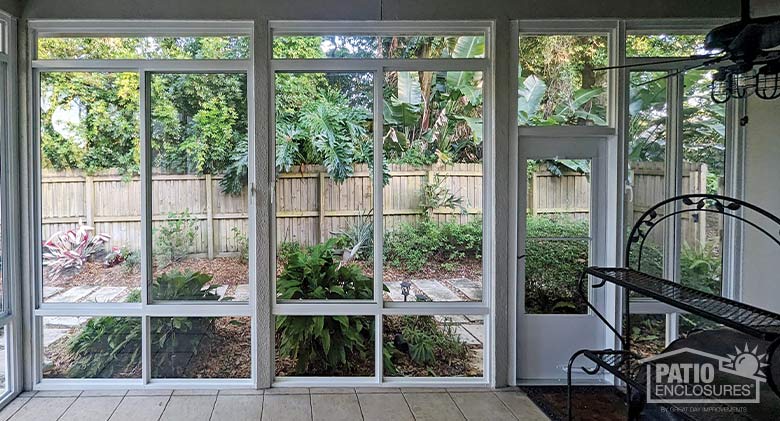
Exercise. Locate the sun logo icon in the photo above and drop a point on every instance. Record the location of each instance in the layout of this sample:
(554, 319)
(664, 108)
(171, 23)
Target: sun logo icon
(747, 363)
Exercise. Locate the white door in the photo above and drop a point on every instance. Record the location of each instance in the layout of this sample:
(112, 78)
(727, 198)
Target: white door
(560, 234)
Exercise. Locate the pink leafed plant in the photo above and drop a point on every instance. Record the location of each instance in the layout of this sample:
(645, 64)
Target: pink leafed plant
(71, 249)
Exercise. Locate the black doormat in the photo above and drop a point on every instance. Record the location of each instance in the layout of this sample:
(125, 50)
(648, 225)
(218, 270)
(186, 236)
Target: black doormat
(590, 403)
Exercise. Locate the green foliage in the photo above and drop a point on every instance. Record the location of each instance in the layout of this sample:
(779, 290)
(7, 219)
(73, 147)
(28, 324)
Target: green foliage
(552, 268)
(315, 273)
(242, 244)
(187, 285)
(414, 245)
(109, 346)
(436, 195)
(325, 344)
(358, 236)
(131, 259)
(175, 238)
(430, 341)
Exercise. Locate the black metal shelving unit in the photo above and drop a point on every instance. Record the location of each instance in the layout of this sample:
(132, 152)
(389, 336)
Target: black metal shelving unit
(752, 321)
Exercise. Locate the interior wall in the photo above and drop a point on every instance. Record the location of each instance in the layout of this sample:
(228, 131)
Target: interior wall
(760, 283)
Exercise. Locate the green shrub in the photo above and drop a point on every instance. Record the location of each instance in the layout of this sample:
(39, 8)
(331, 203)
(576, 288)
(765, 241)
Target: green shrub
(109, 345)
(321, 344)
(242, 244)
(175, 238)
(414, 245)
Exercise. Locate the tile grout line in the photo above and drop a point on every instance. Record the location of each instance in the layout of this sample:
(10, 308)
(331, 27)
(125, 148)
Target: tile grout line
(456, 405)
(311, 407)
(19, 408)
(117, 405)
(360, 407)
(506, 406)
(71, 404)
(214, 406)
(262, 406)
(166, 406)
(407, 405)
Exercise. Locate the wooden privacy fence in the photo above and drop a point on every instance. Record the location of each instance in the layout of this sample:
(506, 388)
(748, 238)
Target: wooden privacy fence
(310, 207)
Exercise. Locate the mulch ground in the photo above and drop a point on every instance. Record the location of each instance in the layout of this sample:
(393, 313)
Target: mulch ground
(590, 403)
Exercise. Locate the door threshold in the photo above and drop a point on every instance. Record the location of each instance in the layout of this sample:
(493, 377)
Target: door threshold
(562, 382)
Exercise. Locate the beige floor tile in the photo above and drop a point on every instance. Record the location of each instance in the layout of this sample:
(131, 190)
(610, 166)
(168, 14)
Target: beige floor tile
(335, 407)
(43, 409)
(106, 392)
(91, 408)
(331, 390)
(433, 406)
(195, 392)
(423, 390)
(484, 406)
(521, 406)
(238, 408)
(12, 407)
(58, 394)
(149, 392)
(140, 408)
(189, 408)
(239, 392)
(286, 408)
(384, 406)
(287, 391)
(377, 390)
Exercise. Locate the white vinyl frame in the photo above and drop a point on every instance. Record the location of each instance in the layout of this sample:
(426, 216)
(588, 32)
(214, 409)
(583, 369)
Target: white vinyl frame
(10, 316)
(145, 310)
(377, 308)
(611, 133)
(734, 156)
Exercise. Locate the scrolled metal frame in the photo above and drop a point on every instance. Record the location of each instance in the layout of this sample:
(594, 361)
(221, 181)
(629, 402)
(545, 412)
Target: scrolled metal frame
(708, 203)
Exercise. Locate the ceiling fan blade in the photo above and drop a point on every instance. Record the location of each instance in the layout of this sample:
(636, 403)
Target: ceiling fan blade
(674, 60)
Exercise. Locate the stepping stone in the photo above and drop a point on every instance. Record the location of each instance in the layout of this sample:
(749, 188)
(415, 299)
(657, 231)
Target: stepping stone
(451, 320)
(105, 294)
(73, 295)
(435, 290)
(64, 322)
(465, 336)
(242, 293)
(49, 291)
(395, 291)
(477, 331)
(472, 289)
(52, 335)
(221, 290)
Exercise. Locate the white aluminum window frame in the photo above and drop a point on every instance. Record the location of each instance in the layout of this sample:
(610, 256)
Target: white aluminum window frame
(145, 310)
(376, 307)
(733, 172)
(11, 315)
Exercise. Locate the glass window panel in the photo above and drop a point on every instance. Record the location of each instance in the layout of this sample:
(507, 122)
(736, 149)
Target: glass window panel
(690, 323)
(704, 161)
(90, 188)
(199, 197)
(201, 347)
(3, 359)
(325, 346)
(433, 346)
(91, 347)
(646, 183)
(664, 45)
(557, 235)
(557, 85)
(648, 334)
(324, 193)
(433, 146)
(102, 48)
(368, 46)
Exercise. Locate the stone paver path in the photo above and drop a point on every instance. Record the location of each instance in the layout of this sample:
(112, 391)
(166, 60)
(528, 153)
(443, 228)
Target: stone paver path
(435, 290)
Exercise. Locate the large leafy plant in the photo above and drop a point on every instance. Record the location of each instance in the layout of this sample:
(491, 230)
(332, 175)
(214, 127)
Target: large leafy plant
(69, 250)
(319, 343)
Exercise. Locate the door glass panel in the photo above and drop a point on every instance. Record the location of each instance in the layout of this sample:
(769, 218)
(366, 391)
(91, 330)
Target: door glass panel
(432, 150)
(704, 161)
(324, 186)
(558, 240)
(646, 182)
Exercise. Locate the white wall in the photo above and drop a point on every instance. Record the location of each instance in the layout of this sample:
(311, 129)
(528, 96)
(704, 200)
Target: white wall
(761, 258)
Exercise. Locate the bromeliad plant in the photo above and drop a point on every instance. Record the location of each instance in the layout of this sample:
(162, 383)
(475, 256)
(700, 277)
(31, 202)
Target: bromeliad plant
(71, 249)
(332, 343)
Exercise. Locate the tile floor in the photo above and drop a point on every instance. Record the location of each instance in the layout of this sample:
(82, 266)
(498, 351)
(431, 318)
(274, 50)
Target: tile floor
(283, 404)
